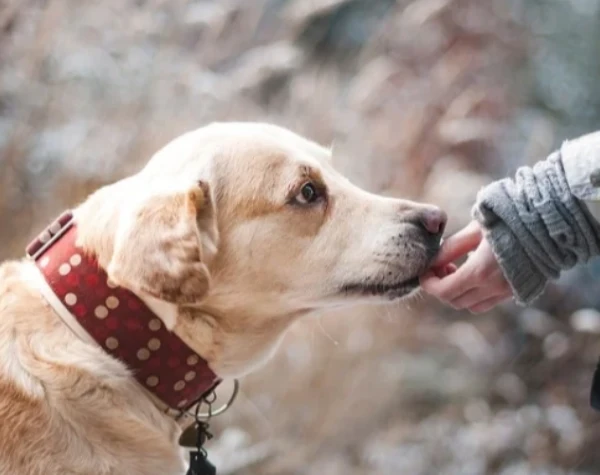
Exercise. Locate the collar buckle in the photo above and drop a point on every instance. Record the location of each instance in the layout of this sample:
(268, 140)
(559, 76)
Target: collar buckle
(50, 235)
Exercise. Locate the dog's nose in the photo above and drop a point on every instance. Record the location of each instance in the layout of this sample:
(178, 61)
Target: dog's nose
(433, 219)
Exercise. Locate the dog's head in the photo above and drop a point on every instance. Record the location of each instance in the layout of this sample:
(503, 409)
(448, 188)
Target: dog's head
(251, 224)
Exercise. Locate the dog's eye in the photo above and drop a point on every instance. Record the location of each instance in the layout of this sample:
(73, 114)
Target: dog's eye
(308, 194)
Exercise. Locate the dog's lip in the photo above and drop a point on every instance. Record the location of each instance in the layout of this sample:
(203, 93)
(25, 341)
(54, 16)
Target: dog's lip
(395, 289)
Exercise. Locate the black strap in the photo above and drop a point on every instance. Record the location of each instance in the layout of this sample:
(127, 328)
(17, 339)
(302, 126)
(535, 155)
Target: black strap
(595, 392)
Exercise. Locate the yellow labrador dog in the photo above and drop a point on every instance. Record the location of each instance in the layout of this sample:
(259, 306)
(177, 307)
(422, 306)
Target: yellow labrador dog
(229, 234)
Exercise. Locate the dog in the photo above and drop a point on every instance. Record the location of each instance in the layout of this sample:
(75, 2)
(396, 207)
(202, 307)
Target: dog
(227, 236)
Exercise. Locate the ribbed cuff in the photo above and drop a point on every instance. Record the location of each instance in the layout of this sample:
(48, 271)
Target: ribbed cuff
(526, 281)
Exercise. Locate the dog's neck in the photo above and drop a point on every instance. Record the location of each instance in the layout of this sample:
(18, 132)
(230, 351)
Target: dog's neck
(232, 353)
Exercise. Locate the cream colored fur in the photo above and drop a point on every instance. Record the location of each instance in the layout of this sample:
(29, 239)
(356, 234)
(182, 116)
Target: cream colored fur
(210, 236)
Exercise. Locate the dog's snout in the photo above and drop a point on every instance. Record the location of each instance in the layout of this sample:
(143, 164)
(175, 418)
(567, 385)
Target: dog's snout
(433, 220)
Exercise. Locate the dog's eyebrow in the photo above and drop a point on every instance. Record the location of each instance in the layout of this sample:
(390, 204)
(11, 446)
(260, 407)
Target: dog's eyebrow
(307, 171)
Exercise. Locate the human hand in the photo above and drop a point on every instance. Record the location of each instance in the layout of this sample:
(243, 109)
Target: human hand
(479, 284)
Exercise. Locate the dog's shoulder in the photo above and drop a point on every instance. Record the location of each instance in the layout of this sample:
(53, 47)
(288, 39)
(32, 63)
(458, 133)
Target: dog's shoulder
(68, 396)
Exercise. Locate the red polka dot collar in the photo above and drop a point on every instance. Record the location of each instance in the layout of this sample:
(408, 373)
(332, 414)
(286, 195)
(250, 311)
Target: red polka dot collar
(118, 320)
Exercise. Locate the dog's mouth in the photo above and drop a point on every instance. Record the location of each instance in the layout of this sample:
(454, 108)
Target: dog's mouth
(392, 291)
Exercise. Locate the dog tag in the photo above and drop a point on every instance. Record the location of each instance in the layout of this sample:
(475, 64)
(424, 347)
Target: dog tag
(189, 437)
(199, 464)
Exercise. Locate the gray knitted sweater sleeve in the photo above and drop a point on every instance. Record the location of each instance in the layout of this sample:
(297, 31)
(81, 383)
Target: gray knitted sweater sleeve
(536, 226)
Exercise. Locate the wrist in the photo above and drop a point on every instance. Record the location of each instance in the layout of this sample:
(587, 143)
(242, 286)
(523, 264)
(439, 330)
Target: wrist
(536, 226)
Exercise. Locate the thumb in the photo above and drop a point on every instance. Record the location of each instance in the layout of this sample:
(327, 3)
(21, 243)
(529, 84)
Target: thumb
(461, 243)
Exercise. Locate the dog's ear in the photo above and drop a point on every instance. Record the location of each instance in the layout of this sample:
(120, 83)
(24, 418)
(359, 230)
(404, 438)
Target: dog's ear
(163, 246)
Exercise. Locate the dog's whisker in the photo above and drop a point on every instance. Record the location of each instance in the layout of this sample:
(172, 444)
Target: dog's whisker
(329, 337)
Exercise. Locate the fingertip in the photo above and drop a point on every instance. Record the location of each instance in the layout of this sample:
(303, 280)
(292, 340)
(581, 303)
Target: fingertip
(447, 270)
(427, 280)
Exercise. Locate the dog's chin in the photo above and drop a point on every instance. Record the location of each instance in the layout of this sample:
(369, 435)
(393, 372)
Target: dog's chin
(389, 291)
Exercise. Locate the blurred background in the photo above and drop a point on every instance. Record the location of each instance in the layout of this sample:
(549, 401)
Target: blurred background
(428, 99)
